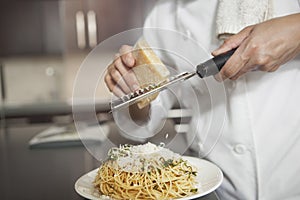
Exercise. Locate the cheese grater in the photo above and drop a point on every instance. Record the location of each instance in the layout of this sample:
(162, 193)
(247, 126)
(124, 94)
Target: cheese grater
(208, 68)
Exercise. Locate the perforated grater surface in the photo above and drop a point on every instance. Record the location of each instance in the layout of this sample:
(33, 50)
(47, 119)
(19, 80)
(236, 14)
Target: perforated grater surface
(208, 68)
(137, 95)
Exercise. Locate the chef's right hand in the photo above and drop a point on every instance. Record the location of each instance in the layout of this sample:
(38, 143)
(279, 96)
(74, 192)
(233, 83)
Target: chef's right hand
(120, 78)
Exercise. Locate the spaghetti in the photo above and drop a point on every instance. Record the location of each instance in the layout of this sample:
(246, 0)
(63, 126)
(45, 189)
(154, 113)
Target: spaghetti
(145, 172)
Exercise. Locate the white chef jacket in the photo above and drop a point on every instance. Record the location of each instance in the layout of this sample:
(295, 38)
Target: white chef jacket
(249, 127)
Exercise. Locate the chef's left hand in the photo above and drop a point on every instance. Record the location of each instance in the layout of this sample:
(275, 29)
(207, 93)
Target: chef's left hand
(264, 46)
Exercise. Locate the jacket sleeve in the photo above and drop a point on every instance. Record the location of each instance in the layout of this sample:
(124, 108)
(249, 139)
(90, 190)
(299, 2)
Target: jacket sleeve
(140, 132)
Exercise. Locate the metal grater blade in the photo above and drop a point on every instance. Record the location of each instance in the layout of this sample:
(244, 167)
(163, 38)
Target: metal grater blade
(137, 95)
(138, 92)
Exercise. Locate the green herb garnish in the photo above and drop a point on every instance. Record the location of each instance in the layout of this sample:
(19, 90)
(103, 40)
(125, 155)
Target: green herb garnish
(194, 173)
(194, 190)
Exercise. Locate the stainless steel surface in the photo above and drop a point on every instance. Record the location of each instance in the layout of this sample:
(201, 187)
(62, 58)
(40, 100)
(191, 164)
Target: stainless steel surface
(47, 109)
(142, 93)
(40, 173)
(92, 28)
(80, 30)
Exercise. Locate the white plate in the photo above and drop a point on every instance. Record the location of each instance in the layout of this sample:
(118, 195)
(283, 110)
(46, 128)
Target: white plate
(209, 177)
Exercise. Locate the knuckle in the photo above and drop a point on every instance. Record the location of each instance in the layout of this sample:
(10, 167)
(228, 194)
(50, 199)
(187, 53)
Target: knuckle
(117, 63)
(262, 60)
(253, 46)
(114, 73)
(248, 28)
(244, 58)
(120, 66)
(116, 56)
(106, 78)
(110, 68)
(228, 42)
(121, 50)
(264, 68)
(110, 86)
(108, 82)
(275, 68)
(272, 70)
(234, 78)
(127, 57)
(124, 59)
(218, 77)
(124, 49)
(228, 72)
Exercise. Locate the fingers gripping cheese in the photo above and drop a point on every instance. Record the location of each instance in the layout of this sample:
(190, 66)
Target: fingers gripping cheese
(149, 69)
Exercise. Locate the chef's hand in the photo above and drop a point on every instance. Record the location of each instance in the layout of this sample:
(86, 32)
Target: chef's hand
(119, 76)
(263, 46)
(121, 80)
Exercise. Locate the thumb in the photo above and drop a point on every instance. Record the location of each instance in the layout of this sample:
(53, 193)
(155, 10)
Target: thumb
(233, 41)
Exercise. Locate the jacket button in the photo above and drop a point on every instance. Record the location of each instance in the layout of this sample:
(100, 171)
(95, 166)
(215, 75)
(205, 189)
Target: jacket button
(239, 149)
(187, 35)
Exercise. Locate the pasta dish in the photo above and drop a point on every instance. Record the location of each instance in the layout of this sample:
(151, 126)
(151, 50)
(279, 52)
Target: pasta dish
(145, 172)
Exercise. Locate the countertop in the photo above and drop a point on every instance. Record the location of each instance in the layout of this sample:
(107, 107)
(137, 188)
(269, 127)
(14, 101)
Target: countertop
(48, 173)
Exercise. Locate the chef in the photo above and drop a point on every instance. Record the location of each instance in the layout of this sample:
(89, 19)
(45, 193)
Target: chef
(252, 127)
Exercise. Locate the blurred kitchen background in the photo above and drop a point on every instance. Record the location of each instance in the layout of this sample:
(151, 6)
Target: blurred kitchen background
(44, 42)
(42, 45)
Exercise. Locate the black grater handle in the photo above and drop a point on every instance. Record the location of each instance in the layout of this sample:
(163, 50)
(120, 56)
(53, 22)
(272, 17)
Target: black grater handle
(213, 65)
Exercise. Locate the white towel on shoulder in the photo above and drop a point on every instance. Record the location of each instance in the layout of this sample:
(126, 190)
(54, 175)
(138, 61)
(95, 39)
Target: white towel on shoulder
(234, 15)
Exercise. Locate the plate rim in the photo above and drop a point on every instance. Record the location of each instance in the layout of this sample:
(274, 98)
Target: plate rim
(219, 172)
(188, 158)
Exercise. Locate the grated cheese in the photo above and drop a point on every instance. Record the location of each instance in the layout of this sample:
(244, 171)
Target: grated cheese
(141, 158)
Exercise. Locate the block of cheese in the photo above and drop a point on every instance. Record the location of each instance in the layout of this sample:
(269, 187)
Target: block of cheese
(149, 69)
